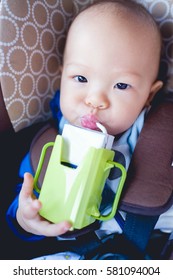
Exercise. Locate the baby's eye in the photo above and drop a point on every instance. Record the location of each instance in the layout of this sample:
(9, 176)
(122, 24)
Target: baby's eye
(80, 79)
(122, 86)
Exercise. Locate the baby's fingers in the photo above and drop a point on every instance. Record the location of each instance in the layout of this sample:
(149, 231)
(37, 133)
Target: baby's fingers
(28, 206)
(48, 229)
(27, 187)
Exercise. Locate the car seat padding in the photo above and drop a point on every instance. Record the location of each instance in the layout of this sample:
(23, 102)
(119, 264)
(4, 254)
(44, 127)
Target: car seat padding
(149, 184)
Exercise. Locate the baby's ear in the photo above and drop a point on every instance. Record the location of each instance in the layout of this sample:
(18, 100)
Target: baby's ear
(154, 89)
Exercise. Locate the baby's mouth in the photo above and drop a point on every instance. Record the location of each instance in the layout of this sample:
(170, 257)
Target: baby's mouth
(89, 121)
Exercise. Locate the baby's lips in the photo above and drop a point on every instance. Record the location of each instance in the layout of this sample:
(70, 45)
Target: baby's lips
(89, 121)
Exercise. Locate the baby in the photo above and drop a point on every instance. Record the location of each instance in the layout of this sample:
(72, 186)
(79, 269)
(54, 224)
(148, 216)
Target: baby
(109, 75)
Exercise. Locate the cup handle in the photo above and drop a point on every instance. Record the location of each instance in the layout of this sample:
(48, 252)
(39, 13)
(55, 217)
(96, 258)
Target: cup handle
(40, 164)
(111, 214)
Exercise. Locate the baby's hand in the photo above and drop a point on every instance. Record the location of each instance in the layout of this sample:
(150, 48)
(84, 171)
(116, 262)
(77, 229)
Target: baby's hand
(28, 216)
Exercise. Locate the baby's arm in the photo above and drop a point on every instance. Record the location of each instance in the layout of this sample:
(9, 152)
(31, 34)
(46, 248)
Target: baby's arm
(28, 216)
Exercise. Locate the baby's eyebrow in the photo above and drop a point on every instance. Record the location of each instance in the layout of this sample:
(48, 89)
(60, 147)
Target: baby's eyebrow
(125, 73)
(76, 65)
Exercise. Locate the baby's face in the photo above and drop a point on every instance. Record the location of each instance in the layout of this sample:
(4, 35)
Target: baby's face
(109, 73)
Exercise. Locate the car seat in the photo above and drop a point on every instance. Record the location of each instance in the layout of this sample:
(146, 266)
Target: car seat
(32, 37)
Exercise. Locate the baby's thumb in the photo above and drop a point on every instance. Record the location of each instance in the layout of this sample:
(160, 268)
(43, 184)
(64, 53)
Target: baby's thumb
(27, 186)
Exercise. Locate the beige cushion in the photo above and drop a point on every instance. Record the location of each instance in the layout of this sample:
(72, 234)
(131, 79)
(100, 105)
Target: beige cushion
(32, 36)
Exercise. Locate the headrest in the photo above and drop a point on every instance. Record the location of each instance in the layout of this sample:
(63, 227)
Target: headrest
(32, 37)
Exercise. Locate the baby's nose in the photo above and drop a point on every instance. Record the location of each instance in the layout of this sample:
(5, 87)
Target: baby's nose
(99, 101)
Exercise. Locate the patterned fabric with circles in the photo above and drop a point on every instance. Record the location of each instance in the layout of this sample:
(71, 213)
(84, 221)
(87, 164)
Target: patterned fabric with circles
(32, 37)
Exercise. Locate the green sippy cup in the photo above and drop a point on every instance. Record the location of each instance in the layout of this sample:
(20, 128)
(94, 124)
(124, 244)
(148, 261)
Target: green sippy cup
(73, 192)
